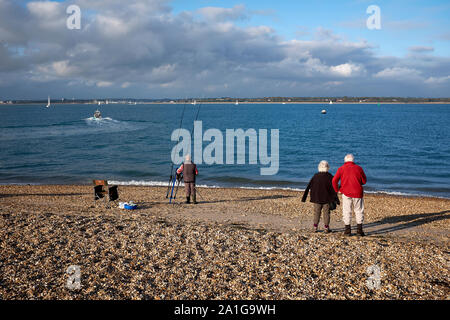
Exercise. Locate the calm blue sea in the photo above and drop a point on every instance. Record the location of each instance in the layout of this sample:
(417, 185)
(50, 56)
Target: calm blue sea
(402, 148)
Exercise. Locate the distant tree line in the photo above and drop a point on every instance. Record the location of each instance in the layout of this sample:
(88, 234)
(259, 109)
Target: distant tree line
(343, 99)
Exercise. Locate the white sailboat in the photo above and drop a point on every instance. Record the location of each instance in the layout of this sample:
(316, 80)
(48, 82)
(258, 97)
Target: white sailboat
(48, 102)
(331, 102)
(237, 102)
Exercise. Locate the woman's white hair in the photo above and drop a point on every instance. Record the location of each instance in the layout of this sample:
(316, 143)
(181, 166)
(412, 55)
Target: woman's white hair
(323, 166)
(349, 158)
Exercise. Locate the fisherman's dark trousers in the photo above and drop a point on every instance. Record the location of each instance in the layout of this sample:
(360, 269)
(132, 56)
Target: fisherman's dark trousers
(189, 187)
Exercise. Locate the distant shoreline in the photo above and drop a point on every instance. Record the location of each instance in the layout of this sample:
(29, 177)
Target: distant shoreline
(216, 102)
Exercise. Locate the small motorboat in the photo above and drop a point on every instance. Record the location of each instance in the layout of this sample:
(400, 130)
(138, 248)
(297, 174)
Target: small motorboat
(324, 111)
(97, 114)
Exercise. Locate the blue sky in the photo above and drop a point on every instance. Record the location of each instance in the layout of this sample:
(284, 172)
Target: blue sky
(199, 48)
(405, 23)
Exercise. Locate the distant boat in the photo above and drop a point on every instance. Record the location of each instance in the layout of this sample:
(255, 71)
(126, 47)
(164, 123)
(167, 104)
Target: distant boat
(97, 114)
(331, 102)
(324, 111)
(194, 102)
(237, 102)
(48, 102)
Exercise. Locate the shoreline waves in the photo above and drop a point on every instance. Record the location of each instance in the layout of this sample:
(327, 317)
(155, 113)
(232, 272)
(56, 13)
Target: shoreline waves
(143, 183)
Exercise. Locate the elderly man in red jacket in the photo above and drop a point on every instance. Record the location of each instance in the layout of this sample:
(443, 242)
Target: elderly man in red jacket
(352, 179)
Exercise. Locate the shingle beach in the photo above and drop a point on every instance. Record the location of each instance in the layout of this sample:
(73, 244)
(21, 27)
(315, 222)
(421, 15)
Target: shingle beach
(234, 244)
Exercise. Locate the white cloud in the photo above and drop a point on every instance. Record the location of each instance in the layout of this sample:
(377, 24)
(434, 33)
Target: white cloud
(104, 84)
(398, 73)
(326, 34)
(49, 15)
(113, 26)
(62, 68)
(218, 14)
(260, 31)
(346, 69)
(56, 69)
(45, 9)
(421, 49)
(437, 80)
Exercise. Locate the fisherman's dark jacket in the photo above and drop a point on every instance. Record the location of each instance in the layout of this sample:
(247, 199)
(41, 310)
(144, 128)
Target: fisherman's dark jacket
(189, 171)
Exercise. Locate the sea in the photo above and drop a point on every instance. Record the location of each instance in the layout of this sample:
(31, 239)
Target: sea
(404, 149)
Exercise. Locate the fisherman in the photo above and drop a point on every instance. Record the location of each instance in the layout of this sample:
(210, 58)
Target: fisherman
(189, 170)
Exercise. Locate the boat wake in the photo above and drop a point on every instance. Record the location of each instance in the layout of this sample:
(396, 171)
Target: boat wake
(107, 124)
(101, 120)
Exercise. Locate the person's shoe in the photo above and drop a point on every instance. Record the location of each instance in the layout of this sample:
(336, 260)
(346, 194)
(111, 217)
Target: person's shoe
(360, 231)
(188, 199)
(327, 229)
(348, 230)
(194, 199)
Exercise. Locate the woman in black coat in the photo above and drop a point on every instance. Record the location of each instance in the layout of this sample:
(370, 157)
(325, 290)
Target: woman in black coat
(322, 195)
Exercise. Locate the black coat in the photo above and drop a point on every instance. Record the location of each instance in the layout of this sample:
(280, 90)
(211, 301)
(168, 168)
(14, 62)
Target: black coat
(321, 189)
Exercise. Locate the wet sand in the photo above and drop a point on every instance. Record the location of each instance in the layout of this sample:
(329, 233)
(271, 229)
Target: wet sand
(234, 244)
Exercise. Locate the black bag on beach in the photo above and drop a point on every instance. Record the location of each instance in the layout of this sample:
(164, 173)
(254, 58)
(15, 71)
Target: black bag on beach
(113, 193)
(98, 192)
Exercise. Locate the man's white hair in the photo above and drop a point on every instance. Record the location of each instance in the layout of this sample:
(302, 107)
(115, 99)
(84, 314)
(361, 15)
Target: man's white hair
(323, 166)
(187, 158)
(349, 158)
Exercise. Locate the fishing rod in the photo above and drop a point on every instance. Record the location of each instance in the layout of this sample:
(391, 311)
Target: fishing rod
(179, 177)
(171, 167)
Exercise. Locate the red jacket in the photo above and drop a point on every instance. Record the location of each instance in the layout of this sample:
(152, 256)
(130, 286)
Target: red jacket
(352, 178)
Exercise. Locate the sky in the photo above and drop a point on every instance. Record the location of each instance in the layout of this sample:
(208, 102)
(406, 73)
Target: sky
(201, 48)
